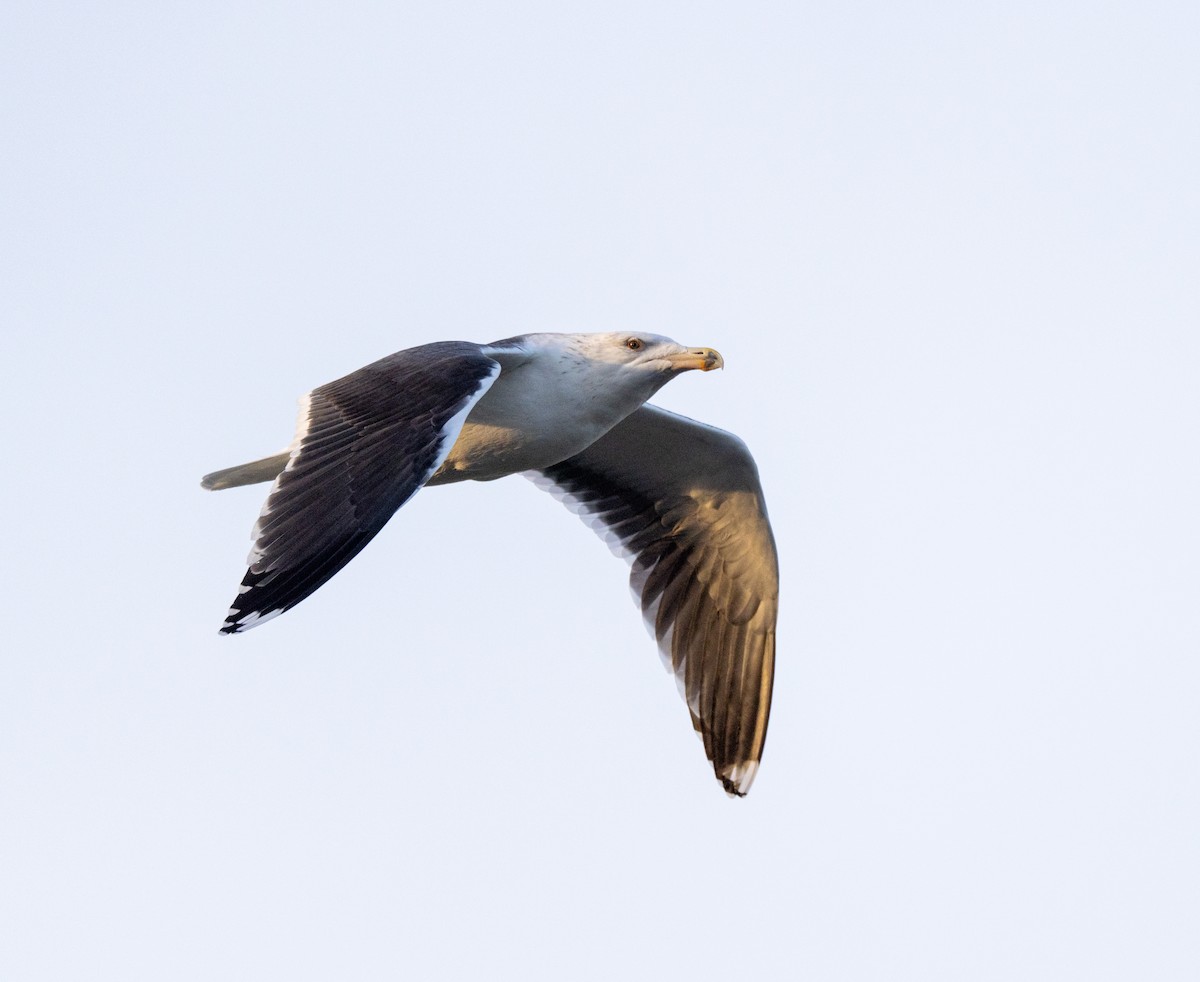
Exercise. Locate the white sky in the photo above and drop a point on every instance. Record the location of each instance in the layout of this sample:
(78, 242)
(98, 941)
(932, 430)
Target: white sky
(950, 254)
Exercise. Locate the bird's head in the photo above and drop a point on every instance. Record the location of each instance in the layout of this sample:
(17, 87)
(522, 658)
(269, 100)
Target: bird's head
(643, 361)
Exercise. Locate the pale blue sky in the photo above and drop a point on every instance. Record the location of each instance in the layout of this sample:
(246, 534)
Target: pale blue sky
(950, 255)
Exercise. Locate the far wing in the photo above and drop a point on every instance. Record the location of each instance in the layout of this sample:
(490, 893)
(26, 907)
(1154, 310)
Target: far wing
(682, 502)
(364, 445)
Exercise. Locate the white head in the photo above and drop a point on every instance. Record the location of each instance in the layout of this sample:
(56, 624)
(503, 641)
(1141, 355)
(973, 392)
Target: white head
(637, 362)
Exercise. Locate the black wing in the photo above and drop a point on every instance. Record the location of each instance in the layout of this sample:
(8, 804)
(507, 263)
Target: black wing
(364, 445)
(682, 502)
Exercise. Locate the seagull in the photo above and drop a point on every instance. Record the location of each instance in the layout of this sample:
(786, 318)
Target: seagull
(680, 501)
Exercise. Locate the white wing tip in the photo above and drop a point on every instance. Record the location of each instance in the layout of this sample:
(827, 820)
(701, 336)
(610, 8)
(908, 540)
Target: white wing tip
(237, 622)
(738, 778)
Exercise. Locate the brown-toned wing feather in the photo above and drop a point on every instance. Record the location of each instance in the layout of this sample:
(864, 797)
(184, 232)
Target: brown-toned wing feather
(683, 503)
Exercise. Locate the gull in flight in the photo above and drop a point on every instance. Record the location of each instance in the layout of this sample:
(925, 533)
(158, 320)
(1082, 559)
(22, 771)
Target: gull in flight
(680, 501)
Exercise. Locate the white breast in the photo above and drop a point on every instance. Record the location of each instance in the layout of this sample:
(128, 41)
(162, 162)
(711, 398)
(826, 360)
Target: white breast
(547, 405)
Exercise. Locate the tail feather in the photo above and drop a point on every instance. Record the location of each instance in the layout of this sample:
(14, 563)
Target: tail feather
(255, 472)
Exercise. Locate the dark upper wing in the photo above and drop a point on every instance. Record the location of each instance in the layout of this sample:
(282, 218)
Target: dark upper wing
(364, 445)
(682, 502)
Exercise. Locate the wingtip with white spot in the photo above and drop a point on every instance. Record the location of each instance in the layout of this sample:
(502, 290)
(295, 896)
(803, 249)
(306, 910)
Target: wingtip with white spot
(237, 622)
(737, 779)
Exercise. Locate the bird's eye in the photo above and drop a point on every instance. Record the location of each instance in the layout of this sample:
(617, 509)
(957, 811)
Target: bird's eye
(634, 344)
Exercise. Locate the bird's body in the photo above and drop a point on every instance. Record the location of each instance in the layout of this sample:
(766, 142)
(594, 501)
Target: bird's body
(680, 500)
(561, 410)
